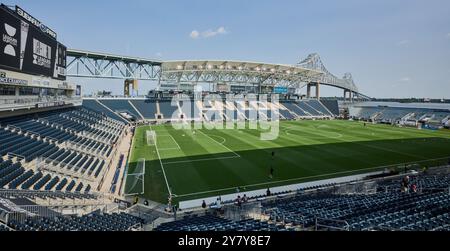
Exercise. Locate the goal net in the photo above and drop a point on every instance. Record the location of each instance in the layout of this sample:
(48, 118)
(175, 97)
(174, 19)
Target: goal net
(135, 179)
(151, 138)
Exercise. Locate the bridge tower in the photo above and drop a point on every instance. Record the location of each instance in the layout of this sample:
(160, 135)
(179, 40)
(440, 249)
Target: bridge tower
(349, 94)
(317, 88)
(133, 83)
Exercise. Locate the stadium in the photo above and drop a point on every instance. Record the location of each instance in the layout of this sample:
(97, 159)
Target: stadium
(218, 145)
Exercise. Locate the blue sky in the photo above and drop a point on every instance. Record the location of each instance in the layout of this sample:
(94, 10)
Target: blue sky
(393, 48)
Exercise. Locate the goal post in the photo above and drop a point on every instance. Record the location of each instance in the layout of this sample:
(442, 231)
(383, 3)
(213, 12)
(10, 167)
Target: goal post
(135, 181)
(151, 137)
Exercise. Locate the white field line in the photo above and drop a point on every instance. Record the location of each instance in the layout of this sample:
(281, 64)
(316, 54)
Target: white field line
(200, 160)
(314, 176)
(220, 144)
(287, 131)
(173, 139)
(224, 140)
(370, 146)
(162, 166)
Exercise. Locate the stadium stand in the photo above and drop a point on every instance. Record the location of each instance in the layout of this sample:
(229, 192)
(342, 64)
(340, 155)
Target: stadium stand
(332, 106)
(146, 107)
(327, 207)
(74, 139)
(215, 223)
(407, 116)
(319, 107)
(215, 110)
(189, 110)
(96, 106)
(167, 110)
(90, 222)
(120, 105)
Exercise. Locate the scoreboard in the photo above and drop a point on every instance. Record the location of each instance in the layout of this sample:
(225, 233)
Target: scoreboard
(28, 46)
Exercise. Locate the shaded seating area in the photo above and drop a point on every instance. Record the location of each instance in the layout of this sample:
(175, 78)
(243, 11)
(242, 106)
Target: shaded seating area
(90, 222)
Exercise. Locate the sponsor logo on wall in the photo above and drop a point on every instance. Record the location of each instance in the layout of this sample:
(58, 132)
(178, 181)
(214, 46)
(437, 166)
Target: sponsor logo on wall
(42, 54)
(10, 40)
(35, 22)
(50, 104)
(4, 79)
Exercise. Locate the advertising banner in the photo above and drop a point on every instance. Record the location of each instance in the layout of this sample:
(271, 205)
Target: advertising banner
(30, 47)
(10, 42)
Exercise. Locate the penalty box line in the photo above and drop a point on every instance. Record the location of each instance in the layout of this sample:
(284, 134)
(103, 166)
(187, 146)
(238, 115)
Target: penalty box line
(162, 167)
(170, 148)
(236, 154)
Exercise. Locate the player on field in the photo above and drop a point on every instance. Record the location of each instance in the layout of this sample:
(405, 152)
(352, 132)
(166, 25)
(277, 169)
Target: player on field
(271, 172)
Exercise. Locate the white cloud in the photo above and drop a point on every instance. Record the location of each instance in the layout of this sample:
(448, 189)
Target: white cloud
(405, 79)
(208, 33)
(403, 42)
(159, 54)
(194, 34)
(402, 81)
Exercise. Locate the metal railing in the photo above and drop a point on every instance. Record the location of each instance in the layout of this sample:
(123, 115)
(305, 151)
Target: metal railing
(331, 224)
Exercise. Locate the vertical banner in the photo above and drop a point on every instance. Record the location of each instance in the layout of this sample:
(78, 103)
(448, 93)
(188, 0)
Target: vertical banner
(10, 40)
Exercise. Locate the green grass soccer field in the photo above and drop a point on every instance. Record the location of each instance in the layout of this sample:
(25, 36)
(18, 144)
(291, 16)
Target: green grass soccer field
(202, 163)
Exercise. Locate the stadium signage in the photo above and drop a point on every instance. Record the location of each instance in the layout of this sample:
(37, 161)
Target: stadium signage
(11, 81)
(50, 104)
(9, 38)
(26, 46)
(35, 22)
(280, 90)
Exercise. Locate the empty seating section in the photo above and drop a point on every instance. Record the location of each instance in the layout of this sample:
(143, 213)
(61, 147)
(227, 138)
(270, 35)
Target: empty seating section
(304, 106)
(91, 222)
(88, 137)
(386, 210)
(42, 182)
(3, 228)
(13, 176)
(70, 186)
(189, 109)
(61, 184)
(215, 110)
(286, 114)
(99, 169)
(215, 223)
(120, 105)
(427, 209)
(332, 105)
(168, 110)
(399, 114)
(52, 183)
(319, 107)
(19, 180)
(294, 108)
(27, 184)
(10, 172)
(146, 107)
(45, 130)
(94, 105)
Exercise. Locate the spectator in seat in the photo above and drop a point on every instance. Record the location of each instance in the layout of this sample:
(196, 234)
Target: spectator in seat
(219, 203)
(244, 199)
(414, 188)
(238, 201)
